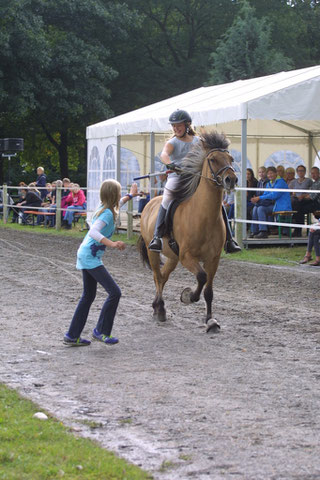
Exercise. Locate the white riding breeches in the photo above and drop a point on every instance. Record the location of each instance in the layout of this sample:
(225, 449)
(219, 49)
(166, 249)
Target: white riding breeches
(172, 182)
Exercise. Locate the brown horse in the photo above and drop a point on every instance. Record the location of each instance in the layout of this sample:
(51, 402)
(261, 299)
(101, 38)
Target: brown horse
(198, 226)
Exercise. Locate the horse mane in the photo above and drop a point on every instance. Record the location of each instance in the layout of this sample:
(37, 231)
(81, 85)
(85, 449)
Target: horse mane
(193, 162)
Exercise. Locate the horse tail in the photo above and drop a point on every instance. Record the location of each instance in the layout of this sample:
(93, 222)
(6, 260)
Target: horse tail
(143, 251)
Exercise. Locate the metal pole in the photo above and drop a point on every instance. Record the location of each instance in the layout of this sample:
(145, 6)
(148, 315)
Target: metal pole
(241, 204)
(152, 165)
(118, 159)
(130, 219)
(58, 204)
(5, 203)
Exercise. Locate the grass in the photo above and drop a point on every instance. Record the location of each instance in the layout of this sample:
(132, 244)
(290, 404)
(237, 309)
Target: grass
(32, 449)
(270, 255)
(74, 232)
(262, 255)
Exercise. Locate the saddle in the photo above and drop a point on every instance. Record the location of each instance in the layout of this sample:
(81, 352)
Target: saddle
(168, 224)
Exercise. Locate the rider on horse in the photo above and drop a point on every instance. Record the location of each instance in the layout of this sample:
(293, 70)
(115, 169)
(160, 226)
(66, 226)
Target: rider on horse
(172, 155)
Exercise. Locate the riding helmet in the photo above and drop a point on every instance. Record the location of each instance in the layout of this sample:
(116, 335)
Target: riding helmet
(179, 116)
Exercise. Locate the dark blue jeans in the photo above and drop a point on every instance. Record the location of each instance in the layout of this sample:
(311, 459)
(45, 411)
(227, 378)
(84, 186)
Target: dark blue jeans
(105, 322)
(313, 241)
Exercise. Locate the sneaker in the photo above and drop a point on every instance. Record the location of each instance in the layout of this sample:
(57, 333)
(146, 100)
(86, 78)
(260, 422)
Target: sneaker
(104, 338)
(75, 342)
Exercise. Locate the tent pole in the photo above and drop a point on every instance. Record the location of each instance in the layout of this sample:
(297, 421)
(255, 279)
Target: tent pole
(152, 166)
(241, 228)
(118, 159)
(310, 162)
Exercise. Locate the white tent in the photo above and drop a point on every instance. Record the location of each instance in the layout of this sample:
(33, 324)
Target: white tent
(293, 95)
(291, 98)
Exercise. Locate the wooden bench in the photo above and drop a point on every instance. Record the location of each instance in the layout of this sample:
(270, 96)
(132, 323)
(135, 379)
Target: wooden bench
(284, 216)
(35, 213)
(81, 216)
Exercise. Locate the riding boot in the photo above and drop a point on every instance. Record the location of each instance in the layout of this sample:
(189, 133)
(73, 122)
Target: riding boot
(156, 243)
(231, 245)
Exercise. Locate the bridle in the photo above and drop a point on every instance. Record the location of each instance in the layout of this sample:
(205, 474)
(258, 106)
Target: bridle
(216, 176)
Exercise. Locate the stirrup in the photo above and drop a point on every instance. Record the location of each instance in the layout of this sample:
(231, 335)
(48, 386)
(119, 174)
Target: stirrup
(156, 244)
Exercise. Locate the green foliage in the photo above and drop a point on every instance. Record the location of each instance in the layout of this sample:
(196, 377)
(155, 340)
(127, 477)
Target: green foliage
(245, 50)
(32, 449)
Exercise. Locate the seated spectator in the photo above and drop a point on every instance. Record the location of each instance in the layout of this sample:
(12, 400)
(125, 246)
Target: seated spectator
(41, 182)
(280, 171)
(31, 200)
(313, 241)
(290, 174)
(298, 200)
(263, 180)
(21, 190)
(311, 201)
(268, 202)
(228, 202)
(76, 202)
(50, 204)
(252, 182)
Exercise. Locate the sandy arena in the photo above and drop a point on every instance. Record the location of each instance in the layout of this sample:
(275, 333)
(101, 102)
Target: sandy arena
(241, 404)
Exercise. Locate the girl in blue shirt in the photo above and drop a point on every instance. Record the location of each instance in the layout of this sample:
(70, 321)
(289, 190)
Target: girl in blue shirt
(89, 260)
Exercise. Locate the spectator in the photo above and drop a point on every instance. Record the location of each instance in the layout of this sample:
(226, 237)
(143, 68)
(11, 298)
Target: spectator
(298, 200)
(280, 171)
(280, 201)
(31, 200)
(263, 180)
(311, 201)
(76, 202)
(228, 202)
(50, 204)
(252, 182)
(21, 190)
(41, 182)
(290, 174)
(313, 241)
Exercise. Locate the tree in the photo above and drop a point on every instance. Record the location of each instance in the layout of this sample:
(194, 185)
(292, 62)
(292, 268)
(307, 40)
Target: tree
(245, 50)
(57, 64)
(169, 54)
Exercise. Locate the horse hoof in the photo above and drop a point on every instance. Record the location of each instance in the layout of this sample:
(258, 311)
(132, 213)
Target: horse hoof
(160, 317)
(186, 296)
(213, 327)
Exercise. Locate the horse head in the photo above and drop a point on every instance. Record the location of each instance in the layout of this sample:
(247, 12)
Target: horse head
(219, 160)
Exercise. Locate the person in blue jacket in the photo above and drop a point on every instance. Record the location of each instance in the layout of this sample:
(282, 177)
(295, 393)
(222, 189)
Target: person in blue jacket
(269, 202)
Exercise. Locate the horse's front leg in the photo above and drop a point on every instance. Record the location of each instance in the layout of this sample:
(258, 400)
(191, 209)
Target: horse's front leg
(208, 295)
(160, 278)
(188, 295)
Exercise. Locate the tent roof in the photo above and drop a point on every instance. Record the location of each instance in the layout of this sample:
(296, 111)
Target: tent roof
(289, 96)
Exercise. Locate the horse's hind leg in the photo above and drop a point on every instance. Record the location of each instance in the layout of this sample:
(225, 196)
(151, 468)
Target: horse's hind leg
(160, 278)
(188, 295)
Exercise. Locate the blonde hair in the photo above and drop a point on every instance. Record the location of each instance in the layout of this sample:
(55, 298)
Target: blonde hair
(110, 191)
(32, 187)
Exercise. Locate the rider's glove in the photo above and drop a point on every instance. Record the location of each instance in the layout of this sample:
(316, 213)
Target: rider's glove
(173, 167)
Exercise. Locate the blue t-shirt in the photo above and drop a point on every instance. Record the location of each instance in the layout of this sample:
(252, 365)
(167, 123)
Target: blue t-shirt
(90, 251)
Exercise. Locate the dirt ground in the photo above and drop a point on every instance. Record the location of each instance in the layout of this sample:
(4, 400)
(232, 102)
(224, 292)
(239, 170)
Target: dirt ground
(241, 404)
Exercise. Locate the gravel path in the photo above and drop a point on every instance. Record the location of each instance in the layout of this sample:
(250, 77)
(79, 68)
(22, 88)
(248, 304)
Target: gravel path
(241, 404)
